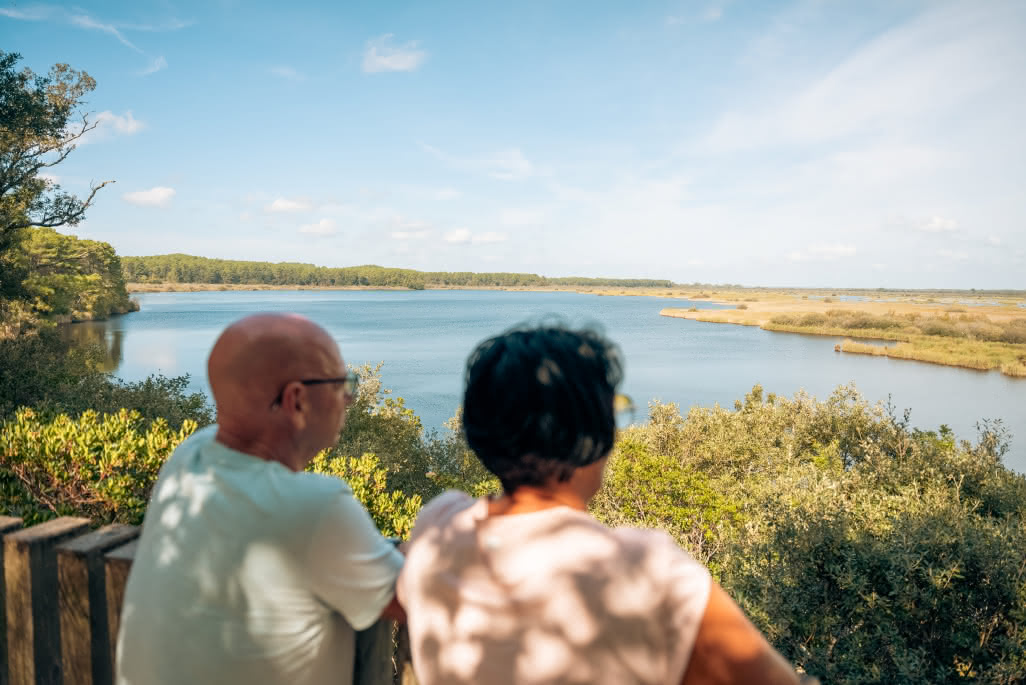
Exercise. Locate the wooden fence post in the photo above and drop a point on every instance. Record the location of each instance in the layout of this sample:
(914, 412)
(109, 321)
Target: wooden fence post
(8, 524)
(373, 655)
(403, 659)
(33, 626)
(82, 598)
(118, 564)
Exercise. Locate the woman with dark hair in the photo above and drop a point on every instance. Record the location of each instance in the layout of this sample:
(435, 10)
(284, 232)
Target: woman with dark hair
(527, 587)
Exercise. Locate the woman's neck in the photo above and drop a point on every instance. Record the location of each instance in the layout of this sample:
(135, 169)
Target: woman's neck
(527, 499)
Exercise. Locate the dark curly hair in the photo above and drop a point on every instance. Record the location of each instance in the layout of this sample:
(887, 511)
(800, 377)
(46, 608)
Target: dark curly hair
(538, 402)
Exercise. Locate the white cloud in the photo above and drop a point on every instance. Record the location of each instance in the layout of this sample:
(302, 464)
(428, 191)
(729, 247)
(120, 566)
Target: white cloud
(823, 253)
(447, 194)
(521, 216)
(86, 22)
(410, 235)
(125, 124)
(938, 224)
(323, 227)
(155, 66)
(380, 55)
(956, 255)
(284, 204)
(488, 238)
(159, 196)
(462, 236)
(994, 241)
(713, 13)
(458, 236)
(28, 14)
(51, 178)
(288, 73)
(510, 165)
(906, 76)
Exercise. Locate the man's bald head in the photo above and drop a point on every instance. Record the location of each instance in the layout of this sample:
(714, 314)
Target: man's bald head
(254, 359)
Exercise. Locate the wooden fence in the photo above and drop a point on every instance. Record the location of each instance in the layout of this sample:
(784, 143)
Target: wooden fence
(60, 601)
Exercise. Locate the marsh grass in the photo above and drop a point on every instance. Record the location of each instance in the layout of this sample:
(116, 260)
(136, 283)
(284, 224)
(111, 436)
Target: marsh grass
(970, 354)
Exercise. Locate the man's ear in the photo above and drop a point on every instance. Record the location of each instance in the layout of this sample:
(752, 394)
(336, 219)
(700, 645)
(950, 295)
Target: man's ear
(295, 402)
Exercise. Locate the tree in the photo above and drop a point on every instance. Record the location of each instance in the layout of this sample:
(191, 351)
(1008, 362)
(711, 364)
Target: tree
(41, 122)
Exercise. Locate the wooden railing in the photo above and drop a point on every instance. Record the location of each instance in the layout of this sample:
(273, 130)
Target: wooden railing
(60, 602)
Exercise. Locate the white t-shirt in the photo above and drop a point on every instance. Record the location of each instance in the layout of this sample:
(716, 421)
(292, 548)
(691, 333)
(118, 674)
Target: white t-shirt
(247, 572)
(551, 596)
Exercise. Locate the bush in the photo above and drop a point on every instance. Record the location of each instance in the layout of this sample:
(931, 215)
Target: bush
(98, 466)
(44, 371)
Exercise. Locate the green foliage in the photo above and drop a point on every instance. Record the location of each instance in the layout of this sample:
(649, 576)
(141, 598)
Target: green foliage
(867, 551)
(98, 466)
(69, 278)
(39, 126)
(181, 268)
(393, 512)
(41, 369)
(648, 489)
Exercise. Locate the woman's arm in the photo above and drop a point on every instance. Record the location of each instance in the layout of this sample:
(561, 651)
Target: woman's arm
(729, 649)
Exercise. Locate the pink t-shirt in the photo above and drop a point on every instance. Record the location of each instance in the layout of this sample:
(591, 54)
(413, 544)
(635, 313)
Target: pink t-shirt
(547, 597)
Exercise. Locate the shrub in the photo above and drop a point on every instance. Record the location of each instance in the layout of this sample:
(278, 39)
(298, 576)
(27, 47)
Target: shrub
(393, 511)
(98, 466)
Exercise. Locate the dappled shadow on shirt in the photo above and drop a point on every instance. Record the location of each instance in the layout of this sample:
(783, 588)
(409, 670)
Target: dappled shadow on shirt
(492, 610)
(207, 602)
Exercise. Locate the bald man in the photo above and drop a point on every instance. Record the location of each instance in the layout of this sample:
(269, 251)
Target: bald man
(250, 570)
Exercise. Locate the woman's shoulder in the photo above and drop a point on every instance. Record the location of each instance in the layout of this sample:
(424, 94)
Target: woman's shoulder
(443, 507)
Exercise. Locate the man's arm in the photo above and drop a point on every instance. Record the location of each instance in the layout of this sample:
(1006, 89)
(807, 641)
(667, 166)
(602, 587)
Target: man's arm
(729, 649)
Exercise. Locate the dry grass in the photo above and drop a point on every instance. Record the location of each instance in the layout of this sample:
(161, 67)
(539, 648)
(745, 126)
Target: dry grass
(987, 338)
(969, 354)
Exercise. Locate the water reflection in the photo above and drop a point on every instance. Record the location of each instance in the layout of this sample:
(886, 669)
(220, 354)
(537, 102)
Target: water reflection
(96, 334)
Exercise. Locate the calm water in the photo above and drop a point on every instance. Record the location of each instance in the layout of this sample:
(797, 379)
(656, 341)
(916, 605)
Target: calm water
(424, 337)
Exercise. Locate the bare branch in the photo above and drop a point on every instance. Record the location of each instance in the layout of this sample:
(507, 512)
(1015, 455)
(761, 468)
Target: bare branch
(61, 218)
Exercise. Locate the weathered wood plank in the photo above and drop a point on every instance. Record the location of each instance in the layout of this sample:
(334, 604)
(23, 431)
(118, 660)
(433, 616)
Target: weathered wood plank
(403, 660)
(373, 658)
(8, 524)
(33, 626)
(118, 563)
(82, 600)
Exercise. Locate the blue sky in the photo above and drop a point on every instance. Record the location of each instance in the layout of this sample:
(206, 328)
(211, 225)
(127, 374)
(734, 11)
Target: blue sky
(862, 144)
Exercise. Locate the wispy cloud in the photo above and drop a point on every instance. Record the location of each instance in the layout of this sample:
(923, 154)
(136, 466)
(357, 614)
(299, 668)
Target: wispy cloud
(284, 204)
(37, 13)
(458, 236)
(509, 164)
(287, 73)
(381, 55)
(154, 66)
(463, 236)
(323, 227)
(159, 196)
(938, 224)
(410, 235)
(86, 22)
(447, 194)
(821, 253)
(521, 216)
(954, 255)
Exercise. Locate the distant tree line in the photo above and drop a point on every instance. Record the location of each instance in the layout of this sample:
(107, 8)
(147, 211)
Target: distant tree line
(182, 268)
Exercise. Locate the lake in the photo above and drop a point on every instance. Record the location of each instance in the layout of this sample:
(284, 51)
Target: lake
(424, 337)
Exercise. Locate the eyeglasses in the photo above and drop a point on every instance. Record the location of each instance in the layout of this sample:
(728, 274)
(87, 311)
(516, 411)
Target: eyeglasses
(349, 383)
(623, 410)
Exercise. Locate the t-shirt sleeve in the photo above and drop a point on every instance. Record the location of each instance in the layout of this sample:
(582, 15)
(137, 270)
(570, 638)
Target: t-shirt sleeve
(434, 513)
(688, 584)
(353, 568)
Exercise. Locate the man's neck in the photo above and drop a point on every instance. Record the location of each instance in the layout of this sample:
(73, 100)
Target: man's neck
(257, 447)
